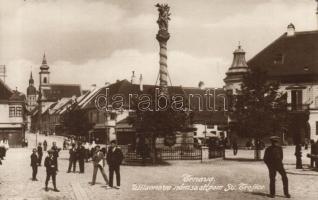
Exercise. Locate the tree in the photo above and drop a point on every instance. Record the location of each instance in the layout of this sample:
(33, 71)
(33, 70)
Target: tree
(259, 108)
(158, 123)
(75, 121)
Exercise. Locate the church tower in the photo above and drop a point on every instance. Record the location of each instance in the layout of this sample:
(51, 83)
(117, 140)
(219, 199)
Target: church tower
(31, 94)
(235, 74)
(44, 73)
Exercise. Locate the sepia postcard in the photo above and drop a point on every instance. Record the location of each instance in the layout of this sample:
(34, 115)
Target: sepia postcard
(158, 99)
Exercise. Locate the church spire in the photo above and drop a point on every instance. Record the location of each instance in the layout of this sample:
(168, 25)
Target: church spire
(31, 81)
(44, 73)
(238, 69)
(44, 60)
(239, 58)
(44, 65)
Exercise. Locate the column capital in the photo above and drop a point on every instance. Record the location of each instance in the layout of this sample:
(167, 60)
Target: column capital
(162, 36)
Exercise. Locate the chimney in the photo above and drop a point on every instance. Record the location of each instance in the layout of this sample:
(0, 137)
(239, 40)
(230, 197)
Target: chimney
(133, 78)
(290, 30)
(140, 83)
(201, 85)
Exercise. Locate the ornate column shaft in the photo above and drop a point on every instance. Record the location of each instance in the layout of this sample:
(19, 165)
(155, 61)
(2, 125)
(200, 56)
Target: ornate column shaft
(163, 70)
(163, 37)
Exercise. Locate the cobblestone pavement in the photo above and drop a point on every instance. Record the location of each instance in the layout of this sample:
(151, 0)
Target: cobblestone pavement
(15, 182)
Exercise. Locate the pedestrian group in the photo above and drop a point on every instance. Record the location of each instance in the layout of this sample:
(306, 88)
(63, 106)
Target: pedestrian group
(79, 153)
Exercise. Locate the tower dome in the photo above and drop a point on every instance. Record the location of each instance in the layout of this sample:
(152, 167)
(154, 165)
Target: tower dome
(31, 90)
(44, 65)
(238, 68)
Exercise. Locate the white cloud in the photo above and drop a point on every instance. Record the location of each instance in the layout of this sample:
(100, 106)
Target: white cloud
(60, 16)
(184, 69)
(273, 13)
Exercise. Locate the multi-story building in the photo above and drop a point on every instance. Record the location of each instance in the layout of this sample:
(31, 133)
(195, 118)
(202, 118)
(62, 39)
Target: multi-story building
(12, 115)
(292, 60)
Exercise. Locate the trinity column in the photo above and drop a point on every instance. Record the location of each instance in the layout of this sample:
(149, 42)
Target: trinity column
(162, 37)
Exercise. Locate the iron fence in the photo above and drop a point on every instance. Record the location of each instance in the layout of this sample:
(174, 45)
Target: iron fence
(170, 153)
(179, 153)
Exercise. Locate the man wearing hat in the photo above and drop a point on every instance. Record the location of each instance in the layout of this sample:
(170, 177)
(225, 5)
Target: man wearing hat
(273, 158)
(114, 160)
(51, 168)
(40, 153)
(99, 163)
(34, 164)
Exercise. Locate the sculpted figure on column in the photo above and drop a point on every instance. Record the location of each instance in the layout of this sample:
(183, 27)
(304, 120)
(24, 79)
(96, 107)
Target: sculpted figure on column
(164, 16)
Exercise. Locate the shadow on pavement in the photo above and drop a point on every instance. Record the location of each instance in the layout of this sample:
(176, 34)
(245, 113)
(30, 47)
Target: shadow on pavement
(242, 159)
(302, 174)
(263, 194)
(259, 194)
(148, 163)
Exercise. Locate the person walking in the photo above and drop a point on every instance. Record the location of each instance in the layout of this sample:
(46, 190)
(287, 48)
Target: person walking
(34, 164)
(56, 151)
(273, 158)
(312, 151)
(40, 154)
(235, 147)
(99, 163)
(86, 147)
(72, 159)
(114, 159)
(81, 157)
(2, 149)
(45, 145)
(315, 151)
(51, 170)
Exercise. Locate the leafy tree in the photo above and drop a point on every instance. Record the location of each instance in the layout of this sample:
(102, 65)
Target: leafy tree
(75, 121)
(158, 123)
(259, 108)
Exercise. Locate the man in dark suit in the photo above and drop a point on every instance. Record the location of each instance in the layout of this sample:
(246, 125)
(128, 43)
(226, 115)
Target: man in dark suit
(72, 159)
(114, 159)
(40, 153)
(81, 157)
(55, 151)
(273, 158)
(50, 164)
(34, 165)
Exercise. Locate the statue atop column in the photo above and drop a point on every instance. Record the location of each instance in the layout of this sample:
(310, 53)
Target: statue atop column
(164, 16)
(163, 37)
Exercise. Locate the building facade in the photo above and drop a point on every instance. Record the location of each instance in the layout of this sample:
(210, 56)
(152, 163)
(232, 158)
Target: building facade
(12, 115)
(49, 95)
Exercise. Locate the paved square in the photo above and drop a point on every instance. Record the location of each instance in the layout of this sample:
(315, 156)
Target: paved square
(243, 178)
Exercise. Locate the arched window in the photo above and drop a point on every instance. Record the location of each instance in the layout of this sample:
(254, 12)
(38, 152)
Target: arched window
(44, 80)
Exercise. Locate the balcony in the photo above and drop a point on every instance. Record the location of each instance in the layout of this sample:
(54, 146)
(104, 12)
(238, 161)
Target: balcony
(298, 107)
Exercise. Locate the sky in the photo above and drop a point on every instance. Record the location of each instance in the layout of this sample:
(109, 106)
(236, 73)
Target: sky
(97, 41)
